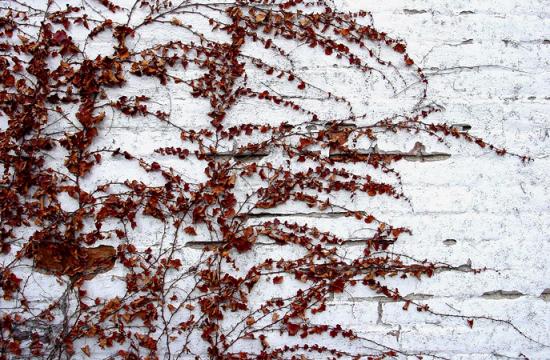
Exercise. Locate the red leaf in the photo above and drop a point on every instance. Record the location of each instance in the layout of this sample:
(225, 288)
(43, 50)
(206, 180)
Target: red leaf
(9, 80)
(190, 231)
(292, 329)
(400, 48)
(338, 286)
(59, 36)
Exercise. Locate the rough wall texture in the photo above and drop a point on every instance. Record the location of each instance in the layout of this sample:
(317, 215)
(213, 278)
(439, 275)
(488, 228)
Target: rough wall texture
(488, 64)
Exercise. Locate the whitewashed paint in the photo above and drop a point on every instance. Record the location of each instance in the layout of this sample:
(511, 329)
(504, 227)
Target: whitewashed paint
(488, 63)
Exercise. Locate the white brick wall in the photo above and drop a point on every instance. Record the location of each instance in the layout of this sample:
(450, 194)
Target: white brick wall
(488, 63)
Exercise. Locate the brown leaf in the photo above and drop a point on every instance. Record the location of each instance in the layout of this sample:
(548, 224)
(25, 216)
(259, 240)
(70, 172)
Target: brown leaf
(59, 258)
(190, 231)
(86, 350)
(260, 16)
(304, 21)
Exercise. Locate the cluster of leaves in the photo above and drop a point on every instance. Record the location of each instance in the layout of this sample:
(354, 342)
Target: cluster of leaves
(54, 102)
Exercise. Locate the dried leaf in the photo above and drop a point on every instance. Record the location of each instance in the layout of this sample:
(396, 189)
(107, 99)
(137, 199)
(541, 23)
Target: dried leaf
(86, 350)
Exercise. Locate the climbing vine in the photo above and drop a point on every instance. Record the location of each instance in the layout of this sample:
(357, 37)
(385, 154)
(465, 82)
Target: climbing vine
(71, 73)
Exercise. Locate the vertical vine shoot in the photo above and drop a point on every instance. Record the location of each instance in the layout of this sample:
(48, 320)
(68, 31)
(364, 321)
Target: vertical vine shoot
(180, 243)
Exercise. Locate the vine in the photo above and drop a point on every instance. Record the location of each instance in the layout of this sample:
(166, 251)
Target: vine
(58, 101)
